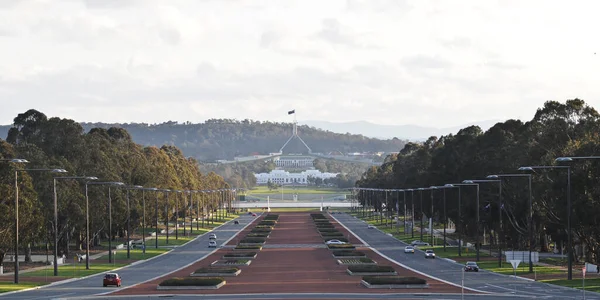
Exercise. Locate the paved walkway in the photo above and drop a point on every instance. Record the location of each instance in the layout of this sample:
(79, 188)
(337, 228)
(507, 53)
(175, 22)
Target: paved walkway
(294, 260)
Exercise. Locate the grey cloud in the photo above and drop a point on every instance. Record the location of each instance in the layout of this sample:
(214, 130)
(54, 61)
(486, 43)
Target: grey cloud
(269, 38)
(170, 36)
(457, 42)
(107, 4)
(379, 6)
(504, 65)
(425, 62)
(206, 69)
(334, 32)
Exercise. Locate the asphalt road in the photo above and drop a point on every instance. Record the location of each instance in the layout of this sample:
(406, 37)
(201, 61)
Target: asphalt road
(451, 272)
(158, 266)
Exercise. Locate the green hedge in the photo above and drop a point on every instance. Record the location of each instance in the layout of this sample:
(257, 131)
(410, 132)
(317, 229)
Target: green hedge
(259, 235)
(325, 225)
(248, 247)
(320, 221)
(267, 223)
(348, 253)
(371, 268)
(224, 270)
(192, 281)
(317, 216)
(251, 240)
(341, 247)
(264, 227)
(321, 230)
(332, 234)
(393, 280)
(273, 217)
(239, 254)
(261, 230)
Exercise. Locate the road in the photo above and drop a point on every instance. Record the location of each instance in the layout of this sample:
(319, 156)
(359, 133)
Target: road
(451, 272)
(155, 267)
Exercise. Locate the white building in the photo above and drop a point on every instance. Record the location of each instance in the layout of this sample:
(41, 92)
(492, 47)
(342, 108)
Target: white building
(291, 161)
(284, 177)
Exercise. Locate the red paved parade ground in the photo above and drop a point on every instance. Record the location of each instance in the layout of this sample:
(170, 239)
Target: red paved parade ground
(291, 270)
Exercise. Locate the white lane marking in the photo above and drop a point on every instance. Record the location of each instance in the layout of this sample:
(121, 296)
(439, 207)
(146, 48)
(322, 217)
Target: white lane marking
(193, 262)
(407, 267)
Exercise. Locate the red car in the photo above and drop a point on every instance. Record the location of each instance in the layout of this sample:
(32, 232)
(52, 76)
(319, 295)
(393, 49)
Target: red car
(254, 215)
(111, 279)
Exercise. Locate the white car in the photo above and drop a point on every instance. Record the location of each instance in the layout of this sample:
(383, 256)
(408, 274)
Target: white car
(409, 249)
(212, 236)
(334, 242)
(429, 254)
(371, 226)
(419, 243)
(212, 244)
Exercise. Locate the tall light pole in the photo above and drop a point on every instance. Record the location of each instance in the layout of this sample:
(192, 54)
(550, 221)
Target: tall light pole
(477, 245)
(500, 213)
(16, 234)
(144, 217)
(86, 178)
(109, 184)
(457, 185)
(178, 192)
(443, 188)
(422, 214)
(412, 212)
(128, 188)
(570, 159)
(569, 239)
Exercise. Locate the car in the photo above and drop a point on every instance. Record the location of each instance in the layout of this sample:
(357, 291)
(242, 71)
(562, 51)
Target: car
(429, 254)
(250, 213)
(111, 279)
(254, 215)
(212, 244)
(212, 236)
(334, 242)
(371, 226)
(409, 249)
(236, 222)
(419, 243)
(471, 266)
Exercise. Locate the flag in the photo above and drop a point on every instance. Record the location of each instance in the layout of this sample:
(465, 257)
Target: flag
(487, 206)
(293, 111)
(502, 207)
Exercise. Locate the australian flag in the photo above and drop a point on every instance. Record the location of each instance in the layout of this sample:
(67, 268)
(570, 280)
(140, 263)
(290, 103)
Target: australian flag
(291, 111)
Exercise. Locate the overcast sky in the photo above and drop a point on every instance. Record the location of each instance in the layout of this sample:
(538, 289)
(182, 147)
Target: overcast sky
(431, 63)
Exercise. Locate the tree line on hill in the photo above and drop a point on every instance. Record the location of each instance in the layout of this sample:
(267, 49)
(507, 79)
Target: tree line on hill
(109, 154)
(557, 129)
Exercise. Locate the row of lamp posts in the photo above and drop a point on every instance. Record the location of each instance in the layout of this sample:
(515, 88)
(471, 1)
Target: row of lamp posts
(224, 198)
(368, 195)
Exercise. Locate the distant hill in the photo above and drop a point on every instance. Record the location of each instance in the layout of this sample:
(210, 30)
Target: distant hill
(225, 139)
(405, 132)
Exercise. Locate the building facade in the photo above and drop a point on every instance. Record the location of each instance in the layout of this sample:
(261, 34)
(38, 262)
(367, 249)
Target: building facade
(283, 177)
(288, 162)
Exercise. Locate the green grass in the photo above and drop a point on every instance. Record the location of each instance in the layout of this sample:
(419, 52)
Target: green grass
(592, 284)
(7, 286)
(74, 270)
(523, 269)
(136, 254)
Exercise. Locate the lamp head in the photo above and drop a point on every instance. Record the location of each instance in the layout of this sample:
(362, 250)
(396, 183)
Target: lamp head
(492, 177)
(468, 181)
(449, 185)
(58, 171)
(563, 159)
(526, 169)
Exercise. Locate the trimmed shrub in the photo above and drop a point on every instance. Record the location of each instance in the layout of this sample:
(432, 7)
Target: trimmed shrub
(261, 230)
(341, 247)
(263, 227)
(259, 235)
(239, 254)
(331, 234)
(319, 221)
(318, 216)
(393, 280)
(224, 270)
(324, 225)
(251, 240)
(371, 268)
(348, 253)
(248, 247)
(327, 230)
(273, 217)
(192, 281)
(267, 223)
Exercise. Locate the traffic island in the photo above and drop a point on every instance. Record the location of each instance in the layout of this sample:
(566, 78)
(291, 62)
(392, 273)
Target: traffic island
(180, 283)
(231, 262)
(370, 270)
(393, 282)
(216, 271)
(356, 261)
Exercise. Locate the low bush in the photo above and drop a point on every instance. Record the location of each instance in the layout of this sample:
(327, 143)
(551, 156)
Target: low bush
(324, 225)
(267, 223)
(393, 280)
(332, 234)
(248, 247)
(317, 216)
(319, 221)
(239, 254)
(348, 253)
(371, 268)
(261, 230)
(273, 217)
(321, 230)
(341, 247)
(252, 240)
(222, 270)
(259, 235)
(192, 281)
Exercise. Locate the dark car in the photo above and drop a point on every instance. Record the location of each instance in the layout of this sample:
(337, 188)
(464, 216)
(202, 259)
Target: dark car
(236, 222)
(471, 266)
(111, 279)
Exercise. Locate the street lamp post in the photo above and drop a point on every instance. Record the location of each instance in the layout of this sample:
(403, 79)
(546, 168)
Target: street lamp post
(144, 217)
(477, 246)
(16, 234)
(109, 184)
(134, 187)
(458, 185)
(86, 178)
(412, 213)
(421, 206)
